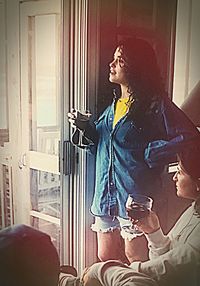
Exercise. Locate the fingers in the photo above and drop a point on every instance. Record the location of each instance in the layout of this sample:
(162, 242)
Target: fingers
(78, 120)
(72, 114)
(72, 117)
(149, 223)
(88, 113)
(133, 221)
(72, 122)
(80, 115)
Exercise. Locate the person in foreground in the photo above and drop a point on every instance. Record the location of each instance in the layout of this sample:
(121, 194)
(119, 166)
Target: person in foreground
(175, 257)
(27, 258)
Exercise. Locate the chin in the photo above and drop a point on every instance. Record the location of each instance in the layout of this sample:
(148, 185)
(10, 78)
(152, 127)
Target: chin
(178, 193)
(184, 194)
(111, 79)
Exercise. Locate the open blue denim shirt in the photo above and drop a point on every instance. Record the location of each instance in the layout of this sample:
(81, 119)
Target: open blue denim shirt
(131, 156)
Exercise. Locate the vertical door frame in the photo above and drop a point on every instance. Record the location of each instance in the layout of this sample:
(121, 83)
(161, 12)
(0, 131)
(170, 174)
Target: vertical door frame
(13, 89)
(80, 69)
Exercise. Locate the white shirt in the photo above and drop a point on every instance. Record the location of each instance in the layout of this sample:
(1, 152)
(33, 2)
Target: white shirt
(174, 259)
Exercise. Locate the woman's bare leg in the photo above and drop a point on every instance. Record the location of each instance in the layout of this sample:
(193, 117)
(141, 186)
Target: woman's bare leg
(111, 246)
(136, 249)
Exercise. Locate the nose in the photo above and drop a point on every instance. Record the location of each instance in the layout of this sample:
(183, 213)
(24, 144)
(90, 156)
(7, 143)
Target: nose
(112, 64)
(175, 177)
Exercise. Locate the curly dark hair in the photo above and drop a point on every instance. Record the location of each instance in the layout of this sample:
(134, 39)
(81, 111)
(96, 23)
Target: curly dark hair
(142, 68)
(190, 159)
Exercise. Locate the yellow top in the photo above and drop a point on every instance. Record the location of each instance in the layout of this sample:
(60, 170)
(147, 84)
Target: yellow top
(122, 106)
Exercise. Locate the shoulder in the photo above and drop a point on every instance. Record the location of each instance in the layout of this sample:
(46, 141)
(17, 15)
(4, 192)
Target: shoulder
(154, 106)
(106, 110)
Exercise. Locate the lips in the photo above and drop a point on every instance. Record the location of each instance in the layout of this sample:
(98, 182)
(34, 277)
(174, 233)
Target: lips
(112, 72)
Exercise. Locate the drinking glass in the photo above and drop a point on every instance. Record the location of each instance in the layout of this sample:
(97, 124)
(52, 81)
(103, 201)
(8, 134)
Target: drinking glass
(137, 206)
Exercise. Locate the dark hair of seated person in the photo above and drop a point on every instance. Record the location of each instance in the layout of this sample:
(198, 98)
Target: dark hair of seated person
(27, 258)
(190, 160)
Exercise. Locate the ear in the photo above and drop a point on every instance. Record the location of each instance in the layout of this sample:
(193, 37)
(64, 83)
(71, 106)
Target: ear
(198, 185)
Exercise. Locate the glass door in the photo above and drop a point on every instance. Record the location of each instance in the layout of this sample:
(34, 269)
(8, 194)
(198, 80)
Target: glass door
(6, 198)
(58, 202)
(40, 105)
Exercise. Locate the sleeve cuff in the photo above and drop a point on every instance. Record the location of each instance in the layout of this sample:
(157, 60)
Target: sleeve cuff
(80, 140)
(157, 239)
(135, 266)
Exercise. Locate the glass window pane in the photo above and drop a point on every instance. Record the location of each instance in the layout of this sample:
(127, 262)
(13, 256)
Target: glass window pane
(45, 201)
(44, 124)
(52, 229)
(4, 136)
(45, 85)
(45, 193)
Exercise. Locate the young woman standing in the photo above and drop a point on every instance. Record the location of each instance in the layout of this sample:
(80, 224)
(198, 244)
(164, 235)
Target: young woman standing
(133, 139)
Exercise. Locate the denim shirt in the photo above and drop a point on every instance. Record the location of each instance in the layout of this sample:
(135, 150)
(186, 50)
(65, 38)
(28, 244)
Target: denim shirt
(131, 156)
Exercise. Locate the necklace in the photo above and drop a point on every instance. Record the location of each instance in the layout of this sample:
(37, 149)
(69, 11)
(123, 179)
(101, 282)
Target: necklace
(130, 100)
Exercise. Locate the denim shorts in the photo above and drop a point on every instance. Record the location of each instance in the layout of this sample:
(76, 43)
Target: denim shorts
(109, 224)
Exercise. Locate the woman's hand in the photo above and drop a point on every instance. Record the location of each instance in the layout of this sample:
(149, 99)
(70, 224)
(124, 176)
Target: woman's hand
(148, 224)
(78, 120)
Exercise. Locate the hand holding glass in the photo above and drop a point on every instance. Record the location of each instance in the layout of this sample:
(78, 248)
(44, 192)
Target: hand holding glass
(137, 207)
(79, 119)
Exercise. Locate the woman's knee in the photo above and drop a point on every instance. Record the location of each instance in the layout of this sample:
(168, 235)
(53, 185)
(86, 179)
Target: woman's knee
(104, 255)
(108, 245)
(136, 249)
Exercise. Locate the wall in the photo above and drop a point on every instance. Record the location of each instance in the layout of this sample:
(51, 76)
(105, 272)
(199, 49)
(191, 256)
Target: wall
(187, 68)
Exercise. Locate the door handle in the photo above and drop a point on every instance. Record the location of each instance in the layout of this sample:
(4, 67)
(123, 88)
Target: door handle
(22, 161)
(68, 151)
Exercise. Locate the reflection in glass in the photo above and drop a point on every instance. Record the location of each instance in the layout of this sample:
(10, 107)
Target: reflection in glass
(4, 135)
(45, 193)
(45, 200)
(44, 96)
(44, 99)
(52, 229)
